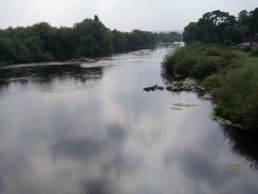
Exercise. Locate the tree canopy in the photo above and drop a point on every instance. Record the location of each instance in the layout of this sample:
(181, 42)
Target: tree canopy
(218, 26)
(89, 38)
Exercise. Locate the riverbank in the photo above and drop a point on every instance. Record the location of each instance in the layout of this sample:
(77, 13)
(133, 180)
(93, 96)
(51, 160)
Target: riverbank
(230, 73)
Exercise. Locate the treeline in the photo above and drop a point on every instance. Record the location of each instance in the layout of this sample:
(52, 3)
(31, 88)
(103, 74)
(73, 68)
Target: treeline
(89, 38)
(135, 40)
(218, 26)
(169, 37)
(42, 42)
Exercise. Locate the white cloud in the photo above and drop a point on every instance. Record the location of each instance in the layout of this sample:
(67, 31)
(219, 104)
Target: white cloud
(124, 15)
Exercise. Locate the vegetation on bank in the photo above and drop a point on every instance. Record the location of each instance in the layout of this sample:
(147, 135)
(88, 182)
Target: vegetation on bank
(87, 39)
(169, 37)
(229, 71)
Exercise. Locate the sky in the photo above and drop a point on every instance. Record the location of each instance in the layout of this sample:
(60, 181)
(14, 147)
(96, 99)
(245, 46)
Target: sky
(123, 15)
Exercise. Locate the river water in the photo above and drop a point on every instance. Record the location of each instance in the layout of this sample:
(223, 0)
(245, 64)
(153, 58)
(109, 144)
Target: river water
(92, 129)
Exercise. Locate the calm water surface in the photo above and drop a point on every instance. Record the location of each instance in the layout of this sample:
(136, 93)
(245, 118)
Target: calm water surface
(73, 129)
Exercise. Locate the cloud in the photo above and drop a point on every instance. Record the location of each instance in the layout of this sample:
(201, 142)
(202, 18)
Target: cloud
(123, 15)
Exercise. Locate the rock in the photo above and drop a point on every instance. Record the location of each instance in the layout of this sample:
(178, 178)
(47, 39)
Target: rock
(160, 88)
(86, 60)
(153, 88)
(207, 96)
(81, 60)
(189, 81)
(174, 88)
(178, 75)
(188, 84)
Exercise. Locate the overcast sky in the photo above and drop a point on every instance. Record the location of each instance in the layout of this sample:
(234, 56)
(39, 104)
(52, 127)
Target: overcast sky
(124, 15)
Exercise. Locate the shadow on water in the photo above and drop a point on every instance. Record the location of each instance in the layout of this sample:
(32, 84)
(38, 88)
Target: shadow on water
(243, 143)
(46, 73)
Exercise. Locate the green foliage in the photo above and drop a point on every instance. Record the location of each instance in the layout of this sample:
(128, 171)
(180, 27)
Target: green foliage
(206, 66)
(213, 51)
(209, 28)
(247, 48)
(237, 95)
(218, 26)
(168, 37)
(89, 38)
(253, 21)
(228, 43)
(212, 81)
(226, 110)
(119, 41)
(235, 34)
(256, 37)
(139, 40)
(230, 73)
(198, 60)
(190, 32)
(254, 52)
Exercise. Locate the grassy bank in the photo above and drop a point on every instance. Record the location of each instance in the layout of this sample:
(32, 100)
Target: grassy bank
(230, 73)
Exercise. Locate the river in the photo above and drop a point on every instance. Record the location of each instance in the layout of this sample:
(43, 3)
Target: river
(91, 128)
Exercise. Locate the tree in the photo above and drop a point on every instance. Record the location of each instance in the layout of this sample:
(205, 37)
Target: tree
(235, 34)
(169, 37)
(190, 32)
(209, 28)
(89, 38)
(243, 18)
(253, 25)
(119, 41)
(96, 18)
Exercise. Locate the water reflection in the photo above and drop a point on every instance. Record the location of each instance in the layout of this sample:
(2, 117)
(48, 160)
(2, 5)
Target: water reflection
(113, 138)
(243, 143)
(47, 73)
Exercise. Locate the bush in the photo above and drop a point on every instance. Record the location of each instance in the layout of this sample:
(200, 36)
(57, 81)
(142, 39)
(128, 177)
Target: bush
(247, 48)
(198, 60)
(237, 96)
(179, 62)
(212, 81)
(226, 110)
(206, 66)
(227, 54)
(254, 52)
(184, 66)
(213, 51)
(228, 43)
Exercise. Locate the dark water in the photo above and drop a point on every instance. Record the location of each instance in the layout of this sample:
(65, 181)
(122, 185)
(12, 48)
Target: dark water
(74, 129)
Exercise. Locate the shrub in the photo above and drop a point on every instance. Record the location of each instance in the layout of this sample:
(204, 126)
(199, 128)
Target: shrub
(228, 43)
(226, 110)
(247, 48)
(237, 96)
(184, 66)
(206, 66)
(213, 51)
(179, 62)
(255, 52)
(212, 81)
(228, 54)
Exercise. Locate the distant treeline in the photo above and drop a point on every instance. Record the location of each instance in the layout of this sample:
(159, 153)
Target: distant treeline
(89, 38)
(219, 27)
(169, 37)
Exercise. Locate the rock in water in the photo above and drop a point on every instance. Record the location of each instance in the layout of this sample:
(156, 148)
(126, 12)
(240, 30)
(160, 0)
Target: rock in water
(153, 88)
